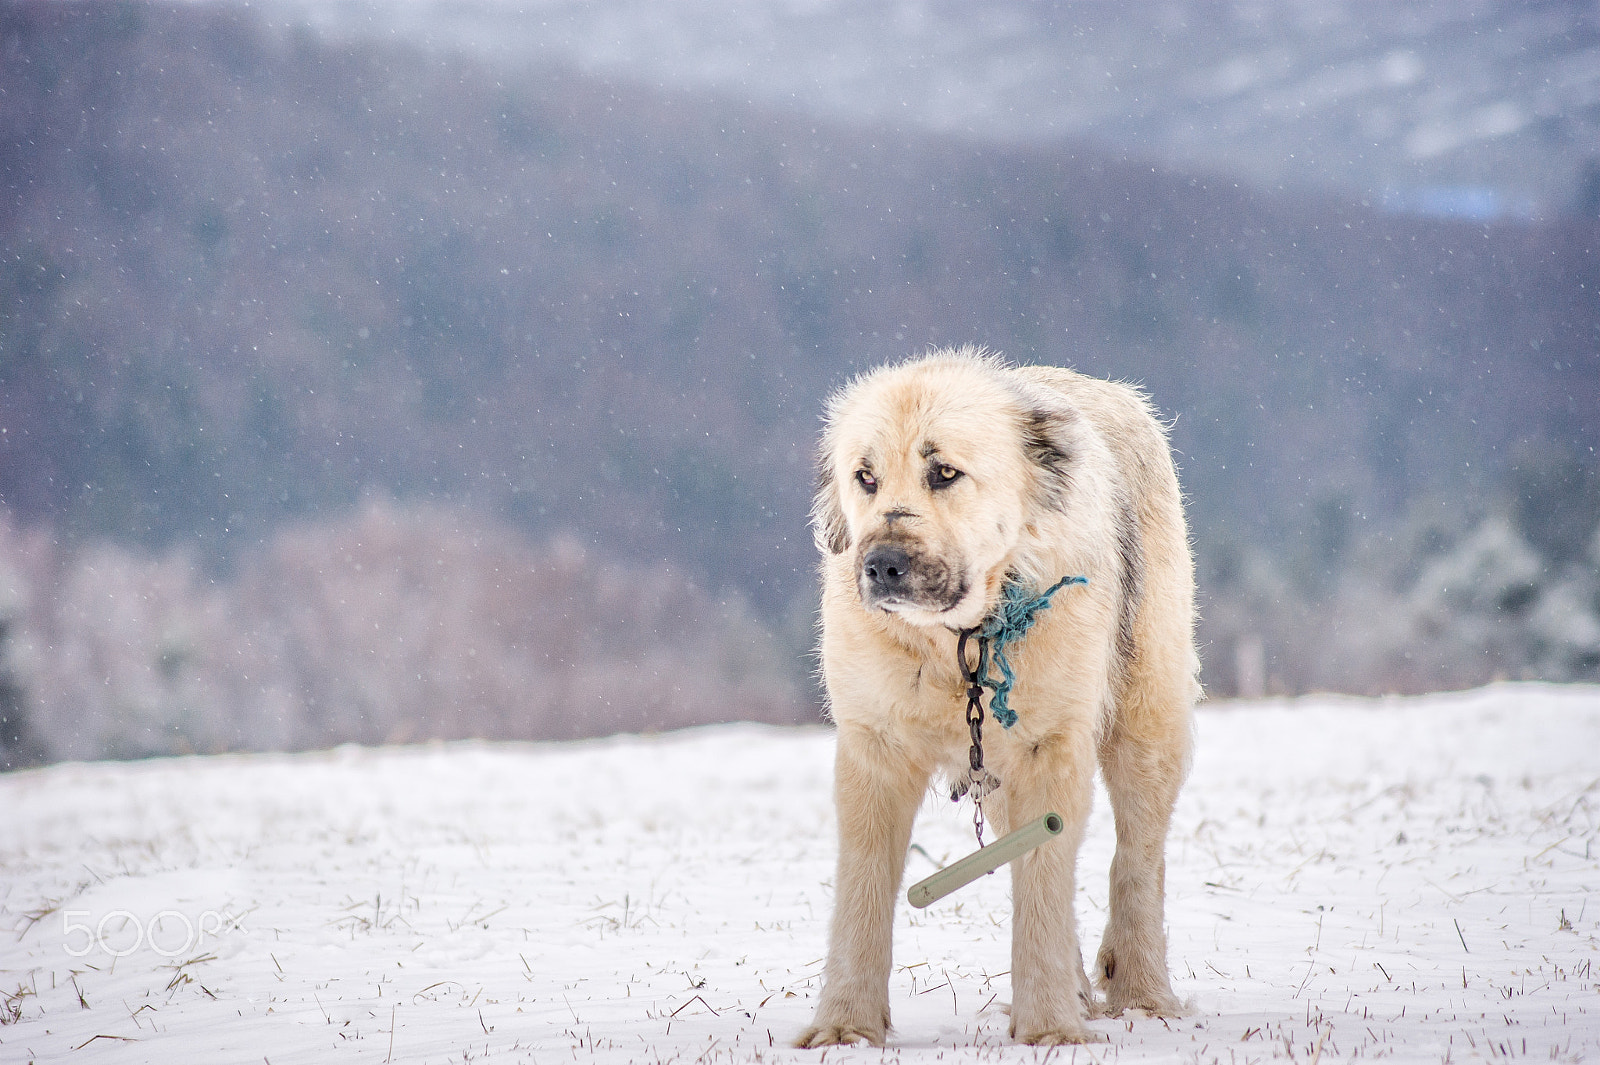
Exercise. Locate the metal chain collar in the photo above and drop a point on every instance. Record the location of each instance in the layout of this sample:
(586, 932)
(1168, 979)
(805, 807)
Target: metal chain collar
(979, 781)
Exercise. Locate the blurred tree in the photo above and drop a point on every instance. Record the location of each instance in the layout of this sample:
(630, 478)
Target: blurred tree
(20, 746)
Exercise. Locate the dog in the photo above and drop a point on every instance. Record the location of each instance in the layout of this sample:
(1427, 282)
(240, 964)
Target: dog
(940, 480)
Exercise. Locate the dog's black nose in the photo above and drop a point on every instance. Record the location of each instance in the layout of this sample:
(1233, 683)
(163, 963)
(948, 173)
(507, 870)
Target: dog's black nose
(887, 567)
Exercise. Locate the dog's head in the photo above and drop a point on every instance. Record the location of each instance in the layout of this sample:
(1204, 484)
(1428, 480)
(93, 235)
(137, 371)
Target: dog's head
(932, 477)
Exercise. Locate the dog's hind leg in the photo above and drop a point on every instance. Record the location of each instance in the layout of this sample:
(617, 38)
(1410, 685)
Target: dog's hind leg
(876, 792)
(1143, 759)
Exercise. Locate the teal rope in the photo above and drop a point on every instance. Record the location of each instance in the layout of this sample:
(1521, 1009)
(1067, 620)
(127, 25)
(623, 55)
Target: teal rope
(1015, 614)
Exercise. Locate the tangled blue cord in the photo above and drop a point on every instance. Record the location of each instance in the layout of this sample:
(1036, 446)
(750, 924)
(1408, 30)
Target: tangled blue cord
(1012, 618)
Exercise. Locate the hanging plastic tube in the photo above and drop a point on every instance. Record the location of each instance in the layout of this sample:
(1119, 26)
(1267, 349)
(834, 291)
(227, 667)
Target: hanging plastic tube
(1008, 847)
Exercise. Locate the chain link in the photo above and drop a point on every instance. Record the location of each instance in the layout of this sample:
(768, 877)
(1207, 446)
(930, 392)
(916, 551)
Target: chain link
(980, 782)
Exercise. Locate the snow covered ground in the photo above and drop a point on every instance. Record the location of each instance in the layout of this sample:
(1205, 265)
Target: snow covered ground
(1415, 879)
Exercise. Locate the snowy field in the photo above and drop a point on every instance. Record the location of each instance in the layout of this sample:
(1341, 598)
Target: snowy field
(1412, 879)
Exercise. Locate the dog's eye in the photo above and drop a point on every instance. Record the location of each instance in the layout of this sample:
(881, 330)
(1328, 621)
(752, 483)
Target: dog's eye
(943, 476)
(868, 483)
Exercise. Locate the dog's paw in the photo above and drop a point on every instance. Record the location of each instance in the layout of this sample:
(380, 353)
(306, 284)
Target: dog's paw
(1153, 1001)
(848, 1014)
(828, 1035)
(1151, 1005)
(1057, 1035)
(1135, 987)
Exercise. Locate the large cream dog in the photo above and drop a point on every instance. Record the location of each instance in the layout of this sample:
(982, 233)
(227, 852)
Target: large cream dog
(941, 479)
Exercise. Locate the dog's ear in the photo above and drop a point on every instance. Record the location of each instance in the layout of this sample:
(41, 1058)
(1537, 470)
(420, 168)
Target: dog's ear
(1050, 430)
(827, 517)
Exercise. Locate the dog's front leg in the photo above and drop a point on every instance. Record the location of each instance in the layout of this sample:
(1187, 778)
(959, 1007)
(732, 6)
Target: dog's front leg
(876, 792)
(1051, 998)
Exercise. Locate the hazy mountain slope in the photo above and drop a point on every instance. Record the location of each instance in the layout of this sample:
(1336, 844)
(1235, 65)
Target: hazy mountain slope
(1373, 99)
(249, 275)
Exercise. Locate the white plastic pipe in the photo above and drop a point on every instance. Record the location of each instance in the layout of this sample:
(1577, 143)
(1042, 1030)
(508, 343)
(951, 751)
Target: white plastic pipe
(984, 860)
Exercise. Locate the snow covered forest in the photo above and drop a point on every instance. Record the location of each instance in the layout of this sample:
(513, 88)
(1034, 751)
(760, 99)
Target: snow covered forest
(363, 383)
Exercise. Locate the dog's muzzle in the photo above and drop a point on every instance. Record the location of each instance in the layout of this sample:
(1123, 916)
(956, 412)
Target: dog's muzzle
(894, 575)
